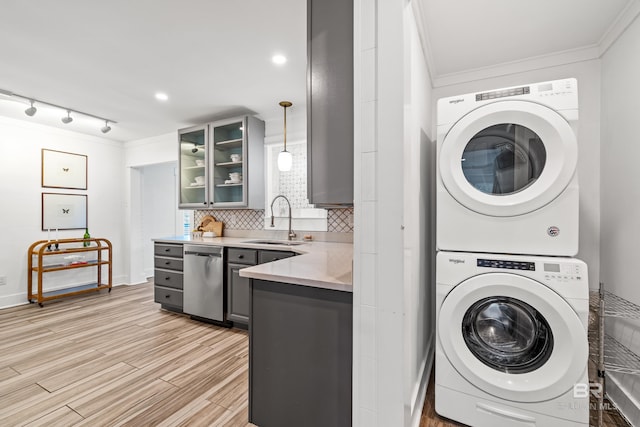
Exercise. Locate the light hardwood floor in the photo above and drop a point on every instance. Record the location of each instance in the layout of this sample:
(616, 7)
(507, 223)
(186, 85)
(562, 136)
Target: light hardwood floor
(118, 359)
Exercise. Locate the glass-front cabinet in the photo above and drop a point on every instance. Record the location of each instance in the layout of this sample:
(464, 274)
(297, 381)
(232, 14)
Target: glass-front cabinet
(229, 173)
(193, 167)
(229, 151)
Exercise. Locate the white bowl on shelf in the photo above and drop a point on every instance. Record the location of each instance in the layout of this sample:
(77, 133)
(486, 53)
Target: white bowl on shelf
(235, 177)
(235, 158)
(199, 180)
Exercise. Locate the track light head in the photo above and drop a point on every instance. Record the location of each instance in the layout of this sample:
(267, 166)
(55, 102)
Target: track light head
(68, 119)
(106, 128)
(31, 110)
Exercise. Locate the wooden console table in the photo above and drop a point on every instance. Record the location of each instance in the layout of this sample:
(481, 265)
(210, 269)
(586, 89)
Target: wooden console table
(67, 254)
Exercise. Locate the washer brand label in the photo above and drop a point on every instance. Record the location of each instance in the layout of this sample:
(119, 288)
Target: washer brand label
(456, 261)
(553, 231)
(456, 101)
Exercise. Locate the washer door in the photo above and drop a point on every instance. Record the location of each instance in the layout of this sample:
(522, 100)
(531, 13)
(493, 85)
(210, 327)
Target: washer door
(508, 158)
(513, 337)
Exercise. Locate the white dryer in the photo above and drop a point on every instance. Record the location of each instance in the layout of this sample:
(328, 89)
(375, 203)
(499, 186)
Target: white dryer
(512, 343)
(507, 178)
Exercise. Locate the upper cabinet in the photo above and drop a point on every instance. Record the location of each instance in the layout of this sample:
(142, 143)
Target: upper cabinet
(230, 171)
(193, 143)
(330, 102)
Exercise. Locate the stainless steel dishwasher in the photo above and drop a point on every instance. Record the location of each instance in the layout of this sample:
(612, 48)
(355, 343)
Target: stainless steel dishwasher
(203, 288)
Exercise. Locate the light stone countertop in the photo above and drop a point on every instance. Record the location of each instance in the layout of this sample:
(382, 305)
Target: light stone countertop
(326, 265)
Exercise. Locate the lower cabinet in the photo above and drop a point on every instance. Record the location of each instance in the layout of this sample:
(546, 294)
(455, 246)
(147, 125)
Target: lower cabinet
(168, 275)
(238, 287)
(237, 294)
(300, 356)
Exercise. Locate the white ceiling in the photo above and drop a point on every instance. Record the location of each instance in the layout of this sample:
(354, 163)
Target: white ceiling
(213, 58)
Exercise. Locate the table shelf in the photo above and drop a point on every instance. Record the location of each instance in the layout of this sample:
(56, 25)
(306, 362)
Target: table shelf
(43, 249)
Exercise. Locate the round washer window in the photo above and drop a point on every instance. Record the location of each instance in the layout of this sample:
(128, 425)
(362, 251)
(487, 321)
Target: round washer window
(503, 159)
(507, 334)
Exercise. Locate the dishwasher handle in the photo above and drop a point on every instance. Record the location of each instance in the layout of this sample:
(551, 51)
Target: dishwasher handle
(204, 254)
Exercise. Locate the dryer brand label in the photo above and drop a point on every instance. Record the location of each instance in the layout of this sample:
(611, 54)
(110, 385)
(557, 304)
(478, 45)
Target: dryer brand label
(456, 261)
(456, 101)
(553, 231)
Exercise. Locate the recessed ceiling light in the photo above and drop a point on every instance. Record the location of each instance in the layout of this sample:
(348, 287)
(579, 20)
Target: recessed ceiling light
(160, 96)
(279, 59)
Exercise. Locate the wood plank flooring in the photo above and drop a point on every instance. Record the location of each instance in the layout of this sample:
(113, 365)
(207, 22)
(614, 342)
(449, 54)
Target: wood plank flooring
(118, 359)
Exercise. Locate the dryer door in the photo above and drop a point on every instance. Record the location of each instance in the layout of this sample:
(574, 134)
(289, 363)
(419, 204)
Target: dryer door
(508, 158)
(513, 337)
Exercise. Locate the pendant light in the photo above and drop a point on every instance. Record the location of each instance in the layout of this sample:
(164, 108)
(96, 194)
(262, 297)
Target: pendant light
(285, 159)
(31, 110)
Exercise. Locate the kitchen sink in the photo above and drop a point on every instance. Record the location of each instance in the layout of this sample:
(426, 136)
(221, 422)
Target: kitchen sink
(274, 242)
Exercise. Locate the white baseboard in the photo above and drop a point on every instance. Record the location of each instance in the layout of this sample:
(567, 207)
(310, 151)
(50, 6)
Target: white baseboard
(420, 391)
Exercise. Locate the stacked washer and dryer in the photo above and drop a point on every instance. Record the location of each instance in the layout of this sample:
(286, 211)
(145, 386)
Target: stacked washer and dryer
(511, 304)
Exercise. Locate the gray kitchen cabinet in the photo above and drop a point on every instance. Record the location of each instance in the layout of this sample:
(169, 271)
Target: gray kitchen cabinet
(222, 164)
(168, 275)
(238, 291)
(300, 352)
(192, 163)
(330, 102)
(237, 295)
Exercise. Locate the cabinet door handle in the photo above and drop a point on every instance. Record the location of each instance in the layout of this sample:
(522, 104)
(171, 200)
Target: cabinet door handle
(167, 278)
(167, 250)
(167, 262)
(240, 256)
(167, 296)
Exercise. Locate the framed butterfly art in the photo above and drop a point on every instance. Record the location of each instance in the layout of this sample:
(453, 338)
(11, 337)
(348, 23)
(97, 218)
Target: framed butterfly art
(64, 211)
(64, 170)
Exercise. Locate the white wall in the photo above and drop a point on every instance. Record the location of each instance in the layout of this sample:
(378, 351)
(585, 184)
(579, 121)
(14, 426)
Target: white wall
(588, 75)
(392, 309)
(20, 188)
(620, 200)
(138, 154)
(419, 216)
(159, 207)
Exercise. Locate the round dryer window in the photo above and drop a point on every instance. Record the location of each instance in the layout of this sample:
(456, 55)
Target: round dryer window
(508, 158)
(503, 159)
(513, 337)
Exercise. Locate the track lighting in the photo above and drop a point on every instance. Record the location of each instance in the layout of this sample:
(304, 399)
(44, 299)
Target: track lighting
(68, 119)
(31, 110)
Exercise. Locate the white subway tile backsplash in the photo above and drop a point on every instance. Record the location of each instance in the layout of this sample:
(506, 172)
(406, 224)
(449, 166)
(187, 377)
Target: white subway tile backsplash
(369, 77)
(369, 165)
(368, 281)
(367, 367)
(368, 417)
(367, 331)
(368, 23)
(368, 126)
(369, 222)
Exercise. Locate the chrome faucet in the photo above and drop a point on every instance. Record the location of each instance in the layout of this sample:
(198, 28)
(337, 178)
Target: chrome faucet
(291, 233)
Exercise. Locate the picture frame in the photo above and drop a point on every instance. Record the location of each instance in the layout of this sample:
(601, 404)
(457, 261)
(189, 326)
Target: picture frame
(64, 170)
(64, 211)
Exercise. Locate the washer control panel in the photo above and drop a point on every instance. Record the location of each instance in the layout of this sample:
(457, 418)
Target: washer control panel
(565, 272)
(559, 272)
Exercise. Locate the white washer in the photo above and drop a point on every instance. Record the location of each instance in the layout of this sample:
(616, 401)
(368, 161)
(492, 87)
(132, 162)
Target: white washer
(512, 343)
(507, 178)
